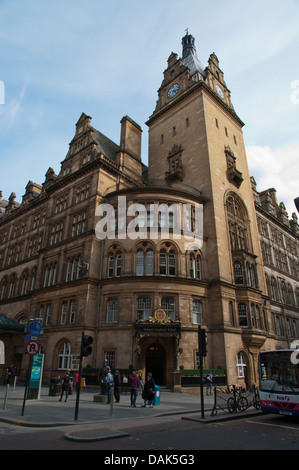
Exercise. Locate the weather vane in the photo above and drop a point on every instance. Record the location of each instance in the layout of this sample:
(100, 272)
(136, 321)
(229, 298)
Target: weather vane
(187, 31)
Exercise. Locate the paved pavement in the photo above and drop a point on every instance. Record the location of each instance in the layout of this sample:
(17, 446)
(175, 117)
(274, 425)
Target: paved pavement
(95, 421)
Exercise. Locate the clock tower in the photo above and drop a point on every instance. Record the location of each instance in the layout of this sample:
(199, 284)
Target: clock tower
(196, 145)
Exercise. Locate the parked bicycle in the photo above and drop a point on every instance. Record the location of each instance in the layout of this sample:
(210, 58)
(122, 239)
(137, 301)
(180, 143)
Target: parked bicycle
(256, 398)
(237, 401)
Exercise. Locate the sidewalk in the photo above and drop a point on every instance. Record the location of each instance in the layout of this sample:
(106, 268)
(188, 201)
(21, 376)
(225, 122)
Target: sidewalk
(94, 419)
(49, 411)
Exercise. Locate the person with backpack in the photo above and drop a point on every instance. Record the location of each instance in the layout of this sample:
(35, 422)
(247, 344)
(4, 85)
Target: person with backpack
(209, 383)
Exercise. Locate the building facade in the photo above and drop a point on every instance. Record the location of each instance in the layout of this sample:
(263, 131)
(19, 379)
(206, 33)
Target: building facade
(139, 256)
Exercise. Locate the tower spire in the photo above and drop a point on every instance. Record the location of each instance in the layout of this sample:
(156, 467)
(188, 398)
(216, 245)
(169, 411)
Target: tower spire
(190, 58)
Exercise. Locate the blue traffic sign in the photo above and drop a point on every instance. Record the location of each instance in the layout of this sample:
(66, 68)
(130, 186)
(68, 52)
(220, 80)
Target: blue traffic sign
(35, 328)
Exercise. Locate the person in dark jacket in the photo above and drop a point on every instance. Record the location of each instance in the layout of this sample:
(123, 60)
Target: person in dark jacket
(65, 385)
(117, 383)
(149, 390)
(134, 385)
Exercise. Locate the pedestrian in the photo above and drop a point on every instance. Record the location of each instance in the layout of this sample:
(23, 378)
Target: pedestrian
(209, 383)
(125, 383)
(141, 387)
(65, 385)
(148, 394)
(134, 385)
(77, 382)
(116, 386)
(109, 384)
(10, 374)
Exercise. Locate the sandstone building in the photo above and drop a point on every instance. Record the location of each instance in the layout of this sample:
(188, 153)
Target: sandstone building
(141, 296)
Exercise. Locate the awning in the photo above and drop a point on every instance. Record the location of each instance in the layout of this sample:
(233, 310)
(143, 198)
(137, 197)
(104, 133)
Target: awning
(8, 326)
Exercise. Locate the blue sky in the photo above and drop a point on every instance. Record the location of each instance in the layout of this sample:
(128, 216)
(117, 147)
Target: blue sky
(61, 58)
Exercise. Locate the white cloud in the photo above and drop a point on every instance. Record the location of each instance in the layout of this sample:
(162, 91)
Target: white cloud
(276, 168)
(11, 112)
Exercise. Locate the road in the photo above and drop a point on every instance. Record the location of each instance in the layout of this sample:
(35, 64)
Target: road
(170, 434)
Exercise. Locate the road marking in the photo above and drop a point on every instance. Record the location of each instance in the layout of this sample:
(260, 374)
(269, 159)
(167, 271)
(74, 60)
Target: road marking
(273, 425)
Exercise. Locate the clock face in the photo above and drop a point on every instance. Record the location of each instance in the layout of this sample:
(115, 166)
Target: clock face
(173, 90)
(219, 91)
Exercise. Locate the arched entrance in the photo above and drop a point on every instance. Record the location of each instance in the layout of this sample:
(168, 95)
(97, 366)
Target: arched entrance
(155, 362)
(242, 367)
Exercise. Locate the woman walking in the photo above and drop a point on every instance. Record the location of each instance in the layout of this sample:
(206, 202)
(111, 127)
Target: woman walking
(149, 390)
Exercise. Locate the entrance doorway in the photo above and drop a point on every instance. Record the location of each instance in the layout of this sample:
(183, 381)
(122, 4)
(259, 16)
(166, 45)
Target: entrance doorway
(155, 362)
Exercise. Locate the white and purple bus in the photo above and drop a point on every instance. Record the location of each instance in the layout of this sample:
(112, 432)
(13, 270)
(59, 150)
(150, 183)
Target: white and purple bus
(279, 382)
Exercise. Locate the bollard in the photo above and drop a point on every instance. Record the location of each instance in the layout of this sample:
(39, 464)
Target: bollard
(6, 397)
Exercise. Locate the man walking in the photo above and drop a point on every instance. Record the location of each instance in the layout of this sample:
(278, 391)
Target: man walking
(209, 383)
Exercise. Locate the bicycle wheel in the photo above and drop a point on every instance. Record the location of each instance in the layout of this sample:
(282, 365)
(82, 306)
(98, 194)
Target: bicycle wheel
(242, 403)
(256, 403)
(231, 406)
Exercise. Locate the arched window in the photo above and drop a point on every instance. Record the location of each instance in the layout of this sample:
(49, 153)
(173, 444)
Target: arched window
(33, 278)
(24, 282)
(195, 266)
(115, 264)
(237, 222)
(238, 270)
(243, 315)
(268, 286)
(149, 263)
(197, 312)
(50, 275)
(290, 297)
(112, 310)
(274, 291)
(12, 286)
(251, 281)
(145, 262)
(167, 262)
(74, 267)
(241, 366)
(283, 291)
(65, 356)
(140, 263)
(4, 284)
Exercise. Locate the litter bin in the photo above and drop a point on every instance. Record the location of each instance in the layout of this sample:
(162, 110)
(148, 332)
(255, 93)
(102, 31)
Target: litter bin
(55, 387)
(157, 395)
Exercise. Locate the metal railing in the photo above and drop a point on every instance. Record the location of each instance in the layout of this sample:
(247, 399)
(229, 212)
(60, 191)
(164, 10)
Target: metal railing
(233, 399)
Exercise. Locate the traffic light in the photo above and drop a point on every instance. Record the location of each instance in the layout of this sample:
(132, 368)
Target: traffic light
(296, 201)
(202, 342)
(86, 348)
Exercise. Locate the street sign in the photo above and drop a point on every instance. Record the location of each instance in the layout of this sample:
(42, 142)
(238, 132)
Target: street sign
(32, 348)
(35, 328)
(36, 371)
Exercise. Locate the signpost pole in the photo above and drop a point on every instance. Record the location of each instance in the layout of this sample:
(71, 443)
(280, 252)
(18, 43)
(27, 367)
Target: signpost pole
(28, 375)
(79, 380)
(200, 349)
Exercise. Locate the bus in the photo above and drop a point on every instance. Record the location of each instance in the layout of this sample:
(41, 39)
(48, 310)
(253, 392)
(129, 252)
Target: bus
(279, 382)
